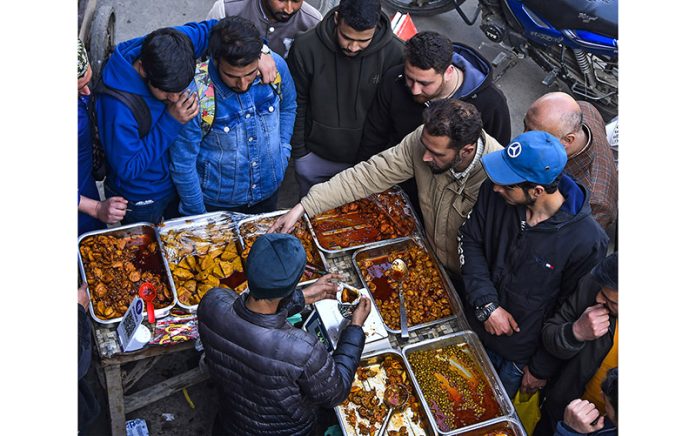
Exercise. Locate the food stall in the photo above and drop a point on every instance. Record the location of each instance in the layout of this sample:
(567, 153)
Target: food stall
(447, 382)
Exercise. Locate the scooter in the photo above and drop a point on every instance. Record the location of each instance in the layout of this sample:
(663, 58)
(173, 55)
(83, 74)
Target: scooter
(575, 41)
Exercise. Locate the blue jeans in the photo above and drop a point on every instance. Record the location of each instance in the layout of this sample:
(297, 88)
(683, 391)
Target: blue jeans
(151, 212)
(510, 372)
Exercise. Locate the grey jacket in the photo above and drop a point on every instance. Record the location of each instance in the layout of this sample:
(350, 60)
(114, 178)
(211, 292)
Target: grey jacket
(279, 36)
(271, 375)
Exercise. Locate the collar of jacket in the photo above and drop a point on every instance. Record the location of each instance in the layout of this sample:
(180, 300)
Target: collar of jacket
(463, 176)
(221, 90)
(272, 321)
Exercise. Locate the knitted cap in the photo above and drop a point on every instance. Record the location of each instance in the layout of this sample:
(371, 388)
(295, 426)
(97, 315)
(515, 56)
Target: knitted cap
(82, 59)
(275, 265)
(606, 272)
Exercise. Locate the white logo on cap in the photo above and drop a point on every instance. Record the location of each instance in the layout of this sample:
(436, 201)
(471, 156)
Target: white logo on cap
(514, 149)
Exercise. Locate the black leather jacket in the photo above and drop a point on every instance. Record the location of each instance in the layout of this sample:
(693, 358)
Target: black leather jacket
(271, 376)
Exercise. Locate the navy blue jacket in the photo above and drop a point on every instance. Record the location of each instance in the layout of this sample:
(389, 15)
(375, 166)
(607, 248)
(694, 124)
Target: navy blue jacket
(271, 376)
(526, 270)
(138, 168)
(608, 430)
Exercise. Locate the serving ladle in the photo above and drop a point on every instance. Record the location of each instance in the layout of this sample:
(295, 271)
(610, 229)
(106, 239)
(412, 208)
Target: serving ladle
(395, 397)
(399, 271)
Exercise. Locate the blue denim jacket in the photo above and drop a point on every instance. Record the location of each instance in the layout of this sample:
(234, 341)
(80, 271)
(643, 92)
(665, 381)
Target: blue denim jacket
(242, 160)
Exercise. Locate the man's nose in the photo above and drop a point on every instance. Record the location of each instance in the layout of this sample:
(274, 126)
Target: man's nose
(416, 89)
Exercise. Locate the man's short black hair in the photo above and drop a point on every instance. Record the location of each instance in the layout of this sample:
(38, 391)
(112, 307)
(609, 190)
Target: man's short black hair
(550, 188)
(360, 14)
(426, 50)
(459, 121)
(168, 60)
(610, 387)
(236, 40)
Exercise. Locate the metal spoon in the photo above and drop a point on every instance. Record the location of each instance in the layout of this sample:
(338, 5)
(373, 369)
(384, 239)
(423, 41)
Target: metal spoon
(395, 397)
(399, 271)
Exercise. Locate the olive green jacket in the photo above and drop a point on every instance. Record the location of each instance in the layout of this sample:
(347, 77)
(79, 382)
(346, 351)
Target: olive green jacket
(444, 200)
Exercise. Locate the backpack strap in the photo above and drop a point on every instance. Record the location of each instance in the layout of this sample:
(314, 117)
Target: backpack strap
(134, 102)
(206, 96)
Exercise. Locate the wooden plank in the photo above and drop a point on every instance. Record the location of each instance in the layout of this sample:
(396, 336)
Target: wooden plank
(153, 350)
(114, 390)
(139, 370)
(164, 389)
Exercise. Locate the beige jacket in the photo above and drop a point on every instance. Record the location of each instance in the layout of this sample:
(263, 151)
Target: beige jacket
(445, 201)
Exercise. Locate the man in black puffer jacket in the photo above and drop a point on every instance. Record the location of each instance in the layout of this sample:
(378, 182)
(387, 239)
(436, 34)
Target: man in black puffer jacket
(272, 377)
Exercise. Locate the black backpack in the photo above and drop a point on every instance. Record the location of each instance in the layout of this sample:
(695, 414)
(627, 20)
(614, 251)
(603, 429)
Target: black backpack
(140, 110)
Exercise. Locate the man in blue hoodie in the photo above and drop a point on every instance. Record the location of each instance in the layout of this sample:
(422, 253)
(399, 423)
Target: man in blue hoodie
(157, 69)
(528, 241)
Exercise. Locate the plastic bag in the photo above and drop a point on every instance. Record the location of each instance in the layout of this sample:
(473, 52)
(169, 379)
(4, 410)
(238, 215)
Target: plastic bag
(527, 409)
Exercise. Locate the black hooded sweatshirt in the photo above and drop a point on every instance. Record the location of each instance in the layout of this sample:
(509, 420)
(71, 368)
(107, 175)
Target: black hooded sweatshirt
(394, 113)
(334, 91)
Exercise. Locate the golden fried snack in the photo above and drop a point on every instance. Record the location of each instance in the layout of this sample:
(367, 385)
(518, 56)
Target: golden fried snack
(201, 258)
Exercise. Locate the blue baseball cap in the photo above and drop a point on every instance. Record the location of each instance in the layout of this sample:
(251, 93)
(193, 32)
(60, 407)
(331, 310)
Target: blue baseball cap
(533, 156)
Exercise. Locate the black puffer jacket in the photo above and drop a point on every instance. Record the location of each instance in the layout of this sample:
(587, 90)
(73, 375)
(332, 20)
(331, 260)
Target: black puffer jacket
(526, 270)
(394, 113)
(271, 375)
(581, 359)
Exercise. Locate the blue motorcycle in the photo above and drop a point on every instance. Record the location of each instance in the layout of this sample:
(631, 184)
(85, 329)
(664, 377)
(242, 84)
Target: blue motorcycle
(575, 41)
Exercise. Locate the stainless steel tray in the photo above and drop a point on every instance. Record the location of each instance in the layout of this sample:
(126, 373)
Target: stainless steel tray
(123, 231)
(396, 420)
(278, 213)
(192, 223)
(507, 411)
(510, 426)
(418, 231)
(385, 247)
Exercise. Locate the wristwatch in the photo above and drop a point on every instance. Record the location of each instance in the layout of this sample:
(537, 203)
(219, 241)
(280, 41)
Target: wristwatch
(265, 50)
(483, 312)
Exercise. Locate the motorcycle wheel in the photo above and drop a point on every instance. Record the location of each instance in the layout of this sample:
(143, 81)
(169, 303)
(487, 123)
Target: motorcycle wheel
(101, 39)
(423, 8)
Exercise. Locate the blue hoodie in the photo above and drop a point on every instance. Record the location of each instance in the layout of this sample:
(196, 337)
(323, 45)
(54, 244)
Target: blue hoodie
(139, 168)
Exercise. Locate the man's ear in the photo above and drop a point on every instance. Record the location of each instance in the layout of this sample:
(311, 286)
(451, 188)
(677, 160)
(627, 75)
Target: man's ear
(138, 65)
(468, 149)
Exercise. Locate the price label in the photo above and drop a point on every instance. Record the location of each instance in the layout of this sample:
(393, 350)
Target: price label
(129, 324)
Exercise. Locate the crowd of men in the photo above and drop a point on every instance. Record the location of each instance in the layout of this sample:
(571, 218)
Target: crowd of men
(206, 117)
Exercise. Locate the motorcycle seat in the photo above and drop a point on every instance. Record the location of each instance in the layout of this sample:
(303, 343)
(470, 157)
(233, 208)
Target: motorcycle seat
(594, 16)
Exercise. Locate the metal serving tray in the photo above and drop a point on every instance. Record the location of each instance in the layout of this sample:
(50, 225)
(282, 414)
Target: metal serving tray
(397, 419)
(124, 231)
(384, 248)
(396, 190)
(278, 213)
(192, 223)
(507, 411)
(508, 426)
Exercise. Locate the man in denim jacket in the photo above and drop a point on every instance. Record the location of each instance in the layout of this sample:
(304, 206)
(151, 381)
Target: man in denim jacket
(240, 163)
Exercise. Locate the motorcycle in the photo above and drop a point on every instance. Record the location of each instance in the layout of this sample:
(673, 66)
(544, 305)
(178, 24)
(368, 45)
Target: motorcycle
(575, 41)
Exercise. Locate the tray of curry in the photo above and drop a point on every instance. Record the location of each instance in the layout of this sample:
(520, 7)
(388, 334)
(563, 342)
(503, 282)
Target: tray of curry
(364, 411)
(115, 262)
(251, 228)
(457, 382)
(359, 224)
(426, 286)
